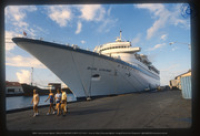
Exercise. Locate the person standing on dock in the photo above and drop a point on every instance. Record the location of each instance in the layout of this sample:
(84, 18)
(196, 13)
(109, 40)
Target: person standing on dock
(35, 102)
(51, 96)
(58, 101)
(64, 102)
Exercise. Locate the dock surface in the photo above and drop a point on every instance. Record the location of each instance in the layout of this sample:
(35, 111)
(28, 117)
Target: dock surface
(164, 109)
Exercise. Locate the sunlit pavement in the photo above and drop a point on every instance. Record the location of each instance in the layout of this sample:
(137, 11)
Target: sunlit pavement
(165, 109)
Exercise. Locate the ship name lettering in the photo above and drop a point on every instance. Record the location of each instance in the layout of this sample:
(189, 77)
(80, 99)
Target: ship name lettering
(106, 70)
(91, 68)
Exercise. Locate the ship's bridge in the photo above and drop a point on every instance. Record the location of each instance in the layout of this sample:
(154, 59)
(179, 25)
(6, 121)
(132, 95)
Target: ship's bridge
(118, 46)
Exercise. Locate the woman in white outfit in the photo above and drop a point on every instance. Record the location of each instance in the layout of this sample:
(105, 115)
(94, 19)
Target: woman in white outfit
(35, 102)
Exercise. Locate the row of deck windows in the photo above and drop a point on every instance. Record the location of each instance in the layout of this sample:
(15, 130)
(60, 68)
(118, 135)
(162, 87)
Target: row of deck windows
(117, 47)
(124, 67)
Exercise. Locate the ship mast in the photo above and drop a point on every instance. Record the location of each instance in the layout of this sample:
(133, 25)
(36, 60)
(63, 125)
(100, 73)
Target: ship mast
(119, 39)
(120, 35)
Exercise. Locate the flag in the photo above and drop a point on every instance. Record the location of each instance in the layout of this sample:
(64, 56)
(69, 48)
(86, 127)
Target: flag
(24, 33)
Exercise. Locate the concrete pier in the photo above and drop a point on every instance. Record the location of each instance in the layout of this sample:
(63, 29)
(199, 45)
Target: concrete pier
(162, 109)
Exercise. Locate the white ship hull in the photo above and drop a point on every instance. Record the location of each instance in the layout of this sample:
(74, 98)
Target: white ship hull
(87, 73)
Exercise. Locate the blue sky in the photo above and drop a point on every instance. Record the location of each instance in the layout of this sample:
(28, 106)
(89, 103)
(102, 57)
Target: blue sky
(149, 26)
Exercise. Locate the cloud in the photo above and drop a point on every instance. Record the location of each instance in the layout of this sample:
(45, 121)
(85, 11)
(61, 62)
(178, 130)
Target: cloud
(39, 29)
(16, 14)
(60, 14)
(107, 24)
(23, 76)
(157, 46)
(15, 18)
(159, 11)
(163, 16)
(176, 17)
(21, 24)
(83, 42)
(174, 48)
(34, 31)
(109, 11)
(79, 26)
(136, 39)
(160, 23)
(169, 68)
(163, 37)
(156, 8)
(9, 45)
(19, 61)
(94, 12)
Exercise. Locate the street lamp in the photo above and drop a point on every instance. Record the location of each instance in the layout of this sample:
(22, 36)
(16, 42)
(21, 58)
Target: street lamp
(189, 45)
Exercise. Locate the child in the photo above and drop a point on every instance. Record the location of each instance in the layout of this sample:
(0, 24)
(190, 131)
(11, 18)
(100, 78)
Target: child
(35, 102)
(51, 95)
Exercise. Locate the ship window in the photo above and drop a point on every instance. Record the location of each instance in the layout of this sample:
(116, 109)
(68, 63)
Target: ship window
(96, 75)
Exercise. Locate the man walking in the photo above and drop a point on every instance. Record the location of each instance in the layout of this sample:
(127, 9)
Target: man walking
(58, 101)
(64, 102)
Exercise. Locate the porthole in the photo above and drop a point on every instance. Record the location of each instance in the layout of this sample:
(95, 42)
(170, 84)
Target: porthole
(95, 75)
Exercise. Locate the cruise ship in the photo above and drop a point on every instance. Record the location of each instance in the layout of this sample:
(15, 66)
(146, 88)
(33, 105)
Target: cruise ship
(110, 69)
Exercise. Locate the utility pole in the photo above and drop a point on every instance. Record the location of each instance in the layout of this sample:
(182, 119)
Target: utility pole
(31, 76)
